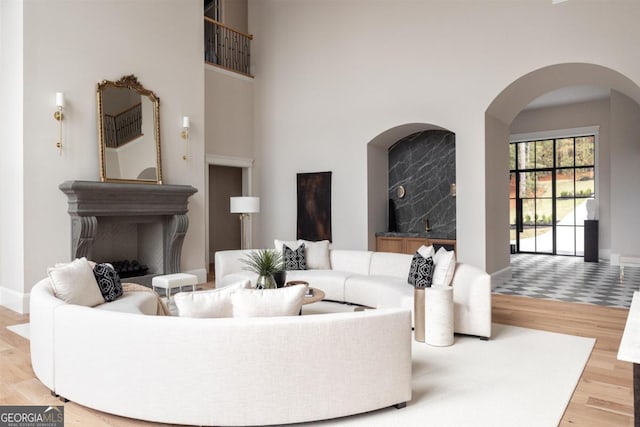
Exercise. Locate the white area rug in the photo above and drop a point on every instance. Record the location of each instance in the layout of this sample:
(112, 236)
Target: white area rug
(22, 329)
(521, 377)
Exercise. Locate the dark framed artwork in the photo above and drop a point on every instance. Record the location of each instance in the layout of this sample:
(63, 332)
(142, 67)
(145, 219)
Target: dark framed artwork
(314, 206)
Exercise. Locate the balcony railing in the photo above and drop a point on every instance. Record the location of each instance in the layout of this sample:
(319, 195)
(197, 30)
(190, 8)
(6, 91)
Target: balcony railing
(123, 127)
(227, 48)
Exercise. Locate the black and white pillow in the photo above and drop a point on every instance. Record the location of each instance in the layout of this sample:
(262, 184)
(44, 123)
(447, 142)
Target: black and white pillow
(421, 271)
(294, 259)
(108, 281)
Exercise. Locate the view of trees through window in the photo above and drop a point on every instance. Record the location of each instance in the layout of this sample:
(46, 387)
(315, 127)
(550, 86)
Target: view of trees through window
(550, 182)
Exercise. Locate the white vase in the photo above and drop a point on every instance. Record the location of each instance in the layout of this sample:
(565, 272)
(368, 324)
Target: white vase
(592, 207)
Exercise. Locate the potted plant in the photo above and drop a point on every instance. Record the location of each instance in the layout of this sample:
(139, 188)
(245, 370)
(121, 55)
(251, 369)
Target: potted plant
(264, 262)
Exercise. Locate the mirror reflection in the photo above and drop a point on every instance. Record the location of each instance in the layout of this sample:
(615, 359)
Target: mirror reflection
(128, 132)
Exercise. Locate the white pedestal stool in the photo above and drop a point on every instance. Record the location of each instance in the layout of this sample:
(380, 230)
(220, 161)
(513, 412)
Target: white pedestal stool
(438, 315)
(173, 281)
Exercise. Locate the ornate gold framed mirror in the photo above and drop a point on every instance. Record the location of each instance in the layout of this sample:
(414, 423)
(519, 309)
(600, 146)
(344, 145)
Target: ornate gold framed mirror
(128, 132)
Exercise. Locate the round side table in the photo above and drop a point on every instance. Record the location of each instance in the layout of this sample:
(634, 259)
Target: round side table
(439, 316)
(314, 295)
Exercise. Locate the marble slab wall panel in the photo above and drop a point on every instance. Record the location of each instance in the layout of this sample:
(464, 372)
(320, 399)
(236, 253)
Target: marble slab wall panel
(424, 163)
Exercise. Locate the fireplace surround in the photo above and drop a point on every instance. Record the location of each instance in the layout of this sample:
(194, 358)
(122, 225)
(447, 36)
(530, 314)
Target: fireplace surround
(113, 221)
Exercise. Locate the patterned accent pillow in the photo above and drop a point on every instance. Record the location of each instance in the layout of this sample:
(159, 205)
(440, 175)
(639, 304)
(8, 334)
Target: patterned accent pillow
(421, 271)
(294, 259)
(108, 281)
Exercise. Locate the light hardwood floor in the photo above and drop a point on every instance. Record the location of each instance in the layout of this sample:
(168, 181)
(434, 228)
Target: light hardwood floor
(603, 397)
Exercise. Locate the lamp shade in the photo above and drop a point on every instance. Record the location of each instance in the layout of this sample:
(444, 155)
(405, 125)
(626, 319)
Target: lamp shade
(245, 204)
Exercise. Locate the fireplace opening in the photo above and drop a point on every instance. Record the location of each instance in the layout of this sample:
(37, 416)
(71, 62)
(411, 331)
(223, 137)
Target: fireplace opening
(133, 245)
(126, 268)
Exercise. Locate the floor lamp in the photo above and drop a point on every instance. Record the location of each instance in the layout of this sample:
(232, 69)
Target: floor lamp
(244, 206)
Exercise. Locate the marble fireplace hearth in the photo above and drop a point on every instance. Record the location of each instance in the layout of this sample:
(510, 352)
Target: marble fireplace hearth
(116, 221)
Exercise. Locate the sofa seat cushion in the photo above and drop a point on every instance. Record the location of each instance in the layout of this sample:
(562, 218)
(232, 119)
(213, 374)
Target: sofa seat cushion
(330, 281)
(379, 291)
(133, 302)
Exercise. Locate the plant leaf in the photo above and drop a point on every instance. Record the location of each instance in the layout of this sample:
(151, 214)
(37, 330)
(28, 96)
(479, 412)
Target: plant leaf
(263, 261)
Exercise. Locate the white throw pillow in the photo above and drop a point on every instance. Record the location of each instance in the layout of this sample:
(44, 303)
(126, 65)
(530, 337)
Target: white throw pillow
(92, 264)
(426, 251)
(268, 302)
(211, 303)
(445, 266)
(75, 283)
(292, 244)
(317, 255)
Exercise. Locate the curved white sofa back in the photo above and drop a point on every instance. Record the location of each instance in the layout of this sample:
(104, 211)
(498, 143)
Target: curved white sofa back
(350, 261)
(43, 305)
(355, 262)
(232, 371)
(380, 279)
(390, 264)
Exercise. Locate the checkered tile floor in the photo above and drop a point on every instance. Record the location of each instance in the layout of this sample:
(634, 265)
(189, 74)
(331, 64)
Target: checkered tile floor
(570, 279)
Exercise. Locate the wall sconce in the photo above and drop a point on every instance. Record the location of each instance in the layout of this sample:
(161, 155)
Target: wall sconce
(59, 117)
(185, 135)
(452, 190)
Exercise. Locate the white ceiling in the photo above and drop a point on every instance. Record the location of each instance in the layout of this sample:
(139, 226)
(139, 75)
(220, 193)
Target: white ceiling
(569, 95)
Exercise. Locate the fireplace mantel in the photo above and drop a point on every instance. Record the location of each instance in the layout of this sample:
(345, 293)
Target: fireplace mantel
(90, 202)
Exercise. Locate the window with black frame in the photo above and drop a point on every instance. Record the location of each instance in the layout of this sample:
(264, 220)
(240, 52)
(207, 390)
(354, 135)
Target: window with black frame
(550, 182)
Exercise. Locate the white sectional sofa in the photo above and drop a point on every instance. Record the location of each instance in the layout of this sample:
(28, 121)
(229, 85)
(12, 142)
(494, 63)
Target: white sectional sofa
(378, 279)
(120, 359)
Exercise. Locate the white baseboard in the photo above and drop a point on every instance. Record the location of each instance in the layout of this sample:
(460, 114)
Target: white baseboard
(200, 272)
(14, 300)
(604, 254)
(500, 277)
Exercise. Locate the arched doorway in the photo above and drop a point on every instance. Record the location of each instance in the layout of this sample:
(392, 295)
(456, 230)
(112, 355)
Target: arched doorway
(623, 117)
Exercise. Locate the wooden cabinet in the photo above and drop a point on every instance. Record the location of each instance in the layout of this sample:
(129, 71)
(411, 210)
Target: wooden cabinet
(409, 245)
(390, 244)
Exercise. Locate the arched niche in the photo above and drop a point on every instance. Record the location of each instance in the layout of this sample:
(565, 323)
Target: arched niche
(498, 118)
(377, 173)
